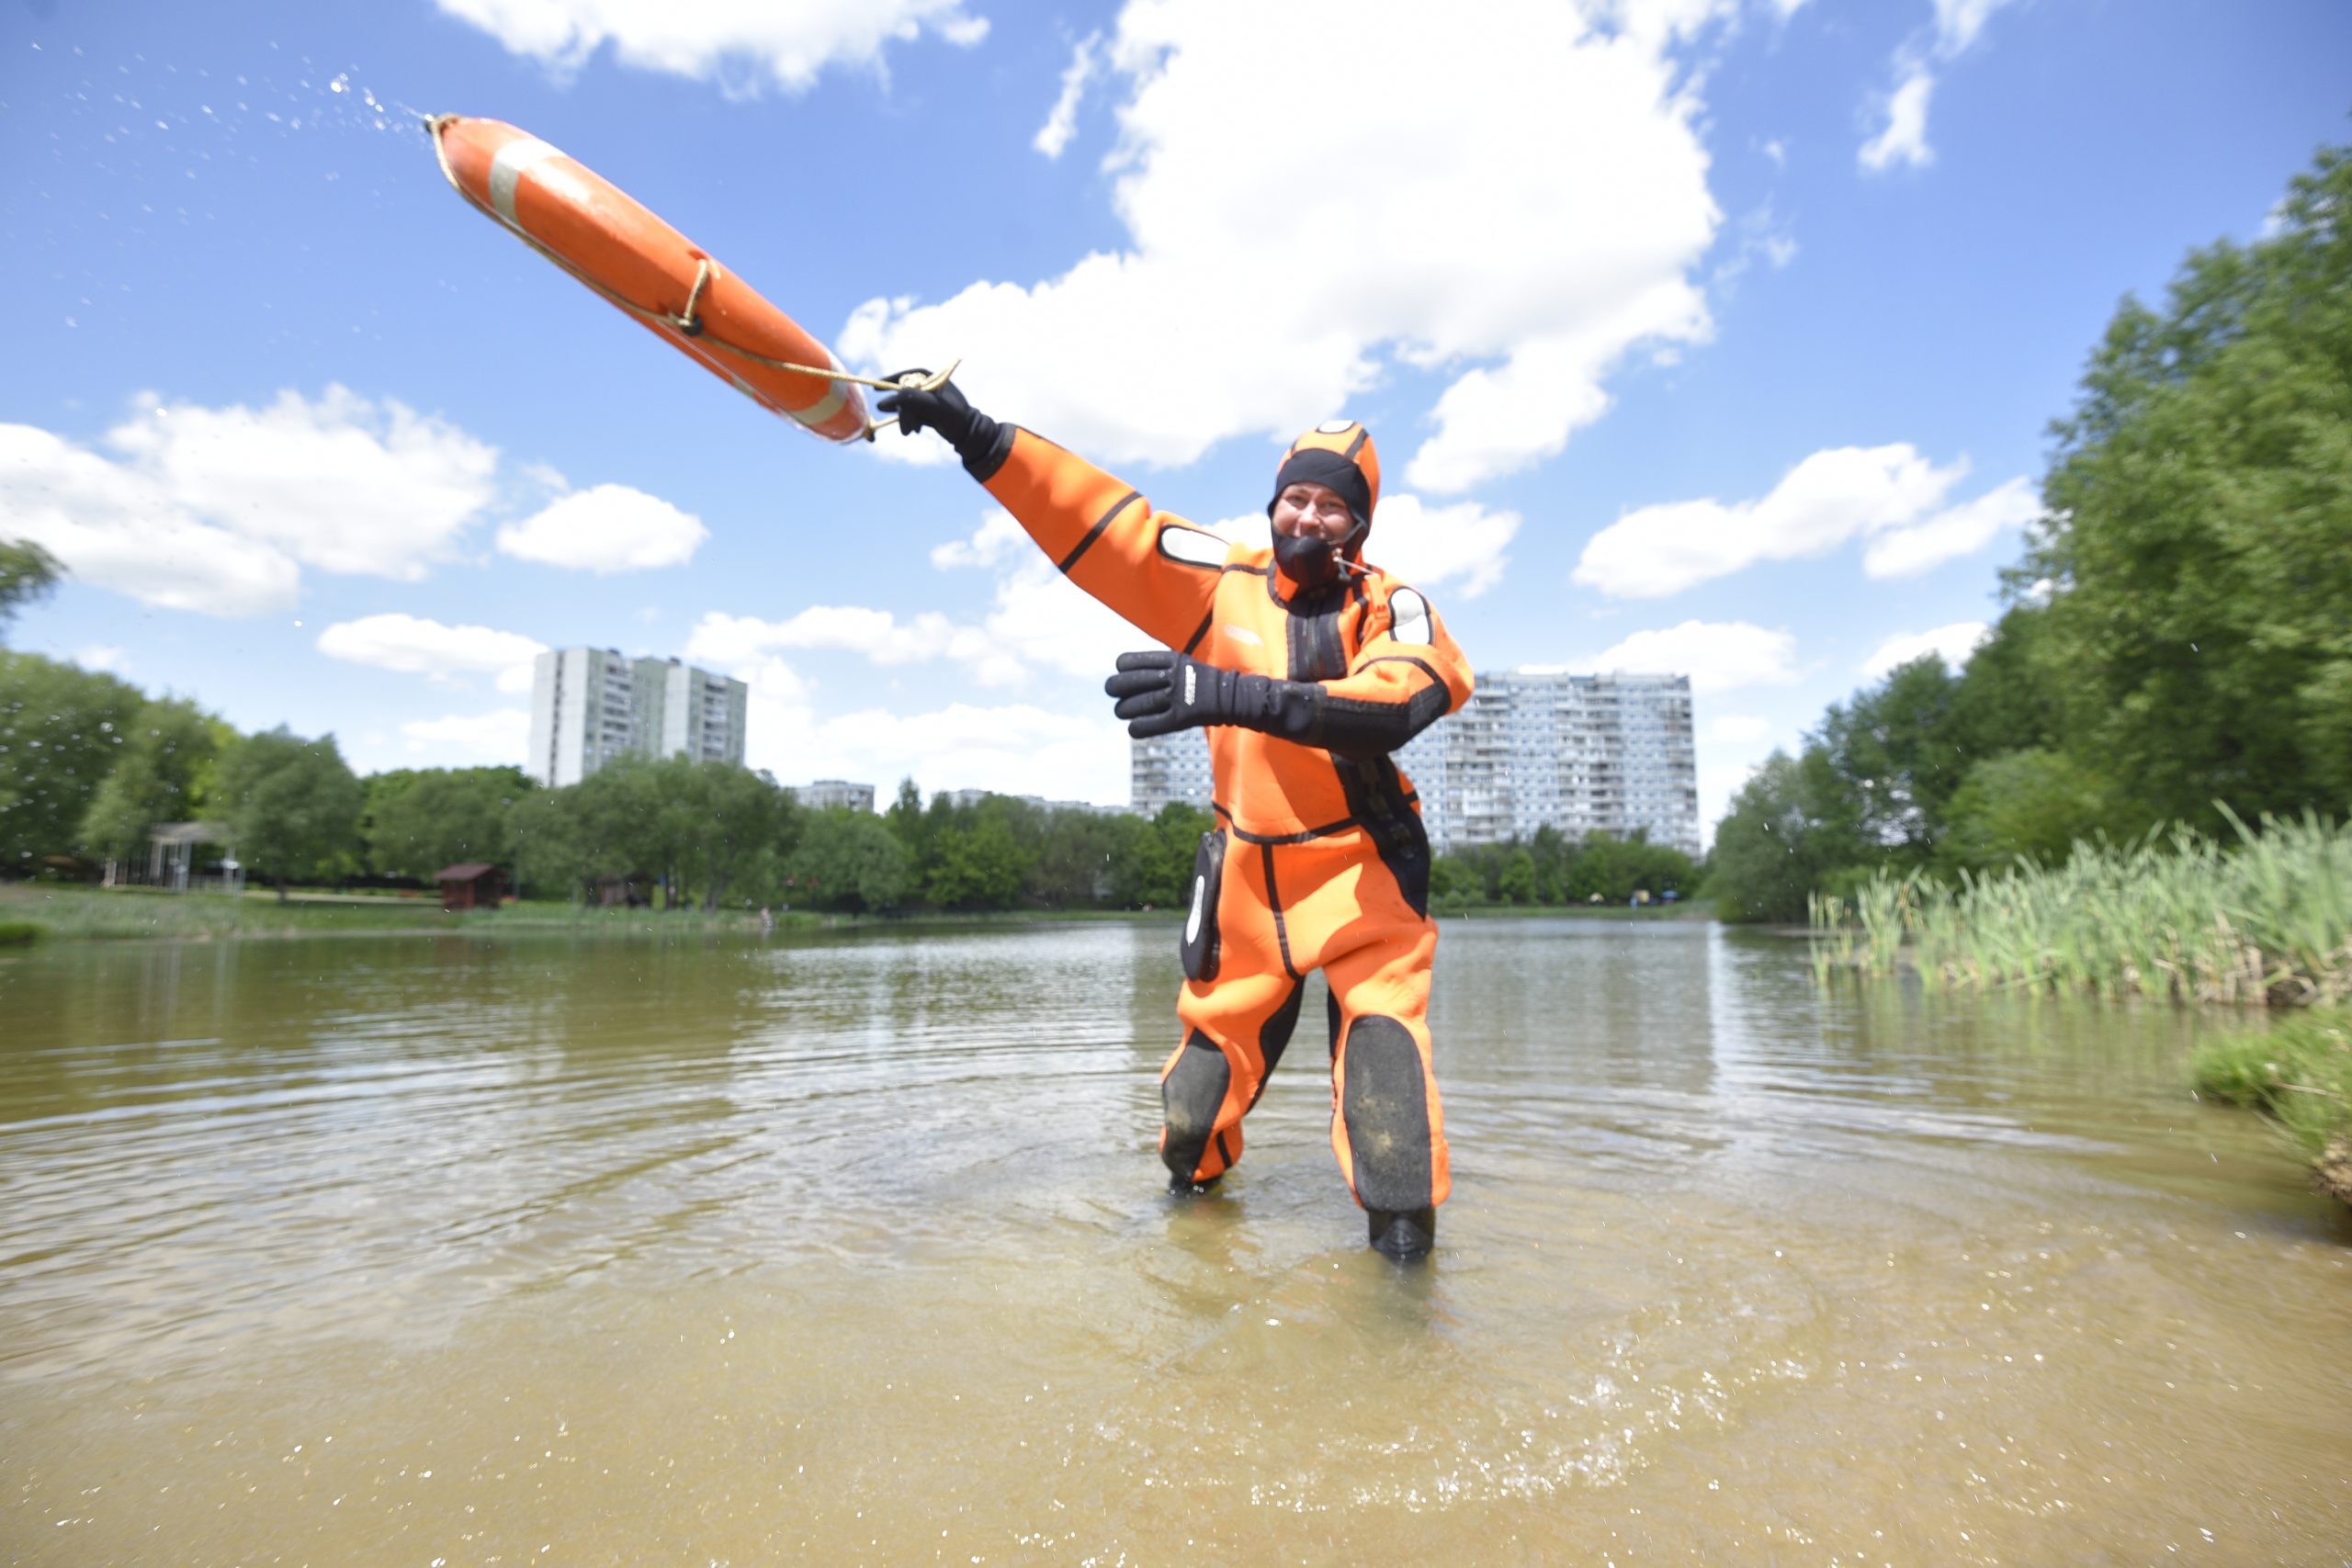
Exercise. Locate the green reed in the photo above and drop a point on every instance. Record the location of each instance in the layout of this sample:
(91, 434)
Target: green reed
(2266, 921)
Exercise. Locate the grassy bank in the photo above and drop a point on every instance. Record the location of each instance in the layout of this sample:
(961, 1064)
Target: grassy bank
(36, 912)
(2266, 921)
(84, 913)
(2299, 1072)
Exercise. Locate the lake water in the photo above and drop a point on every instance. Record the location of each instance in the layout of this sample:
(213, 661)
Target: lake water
(854, 1248)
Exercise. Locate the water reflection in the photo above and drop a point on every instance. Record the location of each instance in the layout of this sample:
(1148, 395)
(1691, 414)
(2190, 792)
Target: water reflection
(855, 1248)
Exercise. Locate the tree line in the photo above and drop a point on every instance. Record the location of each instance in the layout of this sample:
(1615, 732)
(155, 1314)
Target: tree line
(2178, 636)
(90, 765)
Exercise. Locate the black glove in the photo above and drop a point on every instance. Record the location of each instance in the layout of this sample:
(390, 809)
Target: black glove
(981, 442)
(1160, 693)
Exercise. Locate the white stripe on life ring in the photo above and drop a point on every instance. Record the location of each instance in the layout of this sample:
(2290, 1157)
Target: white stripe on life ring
(824, 408)
(513, 162)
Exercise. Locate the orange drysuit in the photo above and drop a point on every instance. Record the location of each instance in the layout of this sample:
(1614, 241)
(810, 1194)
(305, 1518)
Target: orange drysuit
(1319, 860)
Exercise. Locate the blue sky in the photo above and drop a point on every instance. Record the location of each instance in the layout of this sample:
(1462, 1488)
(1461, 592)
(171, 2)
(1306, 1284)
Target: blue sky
(1711, 335)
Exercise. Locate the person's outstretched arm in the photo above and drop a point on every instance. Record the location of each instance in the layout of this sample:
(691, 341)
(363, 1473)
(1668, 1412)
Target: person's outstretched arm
(1154, 568)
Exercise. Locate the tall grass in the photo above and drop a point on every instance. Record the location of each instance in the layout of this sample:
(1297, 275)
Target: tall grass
(2266, 921)
(2299, 1073)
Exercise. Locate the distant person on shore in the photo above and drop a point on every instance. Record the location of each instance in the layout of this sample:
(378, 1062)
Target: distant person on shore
(1308, 669)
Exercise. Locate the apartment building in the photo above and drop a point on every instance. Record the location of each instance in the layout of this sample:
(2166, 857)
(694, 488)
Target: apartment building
(827, 795)
(591, 705)
(1168, 768)
(1583, 754)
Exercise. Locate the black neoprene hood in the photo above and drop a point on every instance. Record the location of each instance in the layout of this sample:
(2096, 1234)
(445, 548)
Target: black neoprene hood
(1320, 466)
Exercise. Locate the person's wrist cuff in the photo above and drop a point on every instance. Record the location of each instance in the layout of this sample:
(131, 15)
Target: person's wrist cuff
(985, 446)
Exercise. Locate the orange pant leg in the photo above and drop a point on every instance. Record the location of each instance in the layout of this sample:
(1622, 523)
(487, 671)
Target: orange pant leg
(1236, 1026)
(1344, 911)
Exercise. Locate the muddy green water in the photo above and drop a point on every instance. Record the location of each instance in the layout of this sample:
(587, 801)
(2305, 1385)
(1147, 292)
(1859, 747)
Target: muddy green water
(854, 1249)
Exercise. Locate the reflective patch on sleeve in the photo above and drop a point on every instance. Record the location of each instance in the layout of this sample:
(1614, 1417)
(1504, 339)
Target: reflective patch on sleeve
(1408, 618)
(1192, 547)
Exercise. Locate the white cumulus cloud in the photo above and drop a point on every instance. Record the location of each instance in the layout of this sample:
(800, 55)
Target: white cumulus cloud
(1904, 138)
(413, 645)
(1901, 137)
(744, 46)
(1061, 124)
(1013, 749)
(339, 482)
(1738, 729)
(1960, 531)
(499, 736)
(218, 510)
(997, 538)
(1718, 656)
(877, 635)
(1955, 644)
(605, 529)
(1523, 210)
(1891, 494)
(115, 528)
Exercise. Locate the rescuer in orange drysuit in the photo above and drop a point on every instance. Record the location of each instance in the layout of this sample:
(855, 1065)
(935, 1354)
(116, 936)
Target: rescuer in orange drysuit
(1308, 669)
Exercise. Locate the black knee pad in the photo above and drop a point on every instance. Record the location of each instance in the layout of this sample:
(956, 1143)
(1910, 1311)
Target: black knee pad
(1386, 1108)
(1191, 1095)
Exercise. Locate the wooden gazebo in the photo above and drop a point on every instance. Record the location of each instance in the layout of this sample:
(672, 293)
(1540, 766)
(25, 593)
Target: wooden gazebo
(470, 885)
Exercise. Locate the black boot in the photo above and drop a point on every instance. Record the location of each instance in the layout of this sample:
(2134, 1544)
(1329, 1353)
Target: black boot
(1185, 1187)
(1406, 1238)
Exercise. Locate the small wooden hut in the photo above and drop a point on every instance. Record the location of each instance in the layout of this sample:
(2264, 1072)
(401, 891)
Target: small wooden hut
(470, 885)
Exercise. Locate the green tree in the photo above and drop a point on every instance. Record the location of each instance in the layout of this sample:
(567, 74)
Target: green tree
(27, 573)
(848, 860)
(61, 731)
(417, 822)
(980, 866)
(741, 825)
(292, 804)
(160, 773)
(552, 849)
(1517, 882)
(1552, 853)
(2033, 803)
(1894, 760)
(1153, 869)
(2007, 699)
(1075, 855)
(2198, 540)
(1777, 843)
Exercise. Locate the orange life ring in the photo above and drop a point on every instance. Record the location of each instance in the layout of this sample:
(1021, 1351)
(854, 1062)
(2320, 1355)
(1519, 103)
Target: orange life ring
(593, 230)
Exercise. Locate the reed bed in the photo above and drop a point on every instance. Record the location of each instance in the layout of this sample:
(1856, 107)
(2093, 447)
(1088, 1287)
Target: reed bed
(2264, 921)
(2299, 1074)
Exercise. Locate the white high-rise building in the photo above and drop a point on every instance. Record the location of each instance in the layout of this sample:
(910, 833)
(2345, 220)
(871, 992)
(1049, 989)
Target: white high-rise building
(1584, 755)
(1167, 768)
(829, 794)
(589, 705)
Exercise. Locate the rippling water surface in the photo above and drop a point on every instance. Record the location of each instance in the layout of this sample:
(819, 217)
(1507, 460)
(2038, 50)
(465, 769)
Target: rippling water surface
(854, 1249)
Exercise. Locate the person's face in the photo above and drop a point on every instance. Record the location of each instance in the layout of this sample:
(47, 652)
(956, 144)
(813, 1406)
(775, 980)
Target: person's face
(1313, 512)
